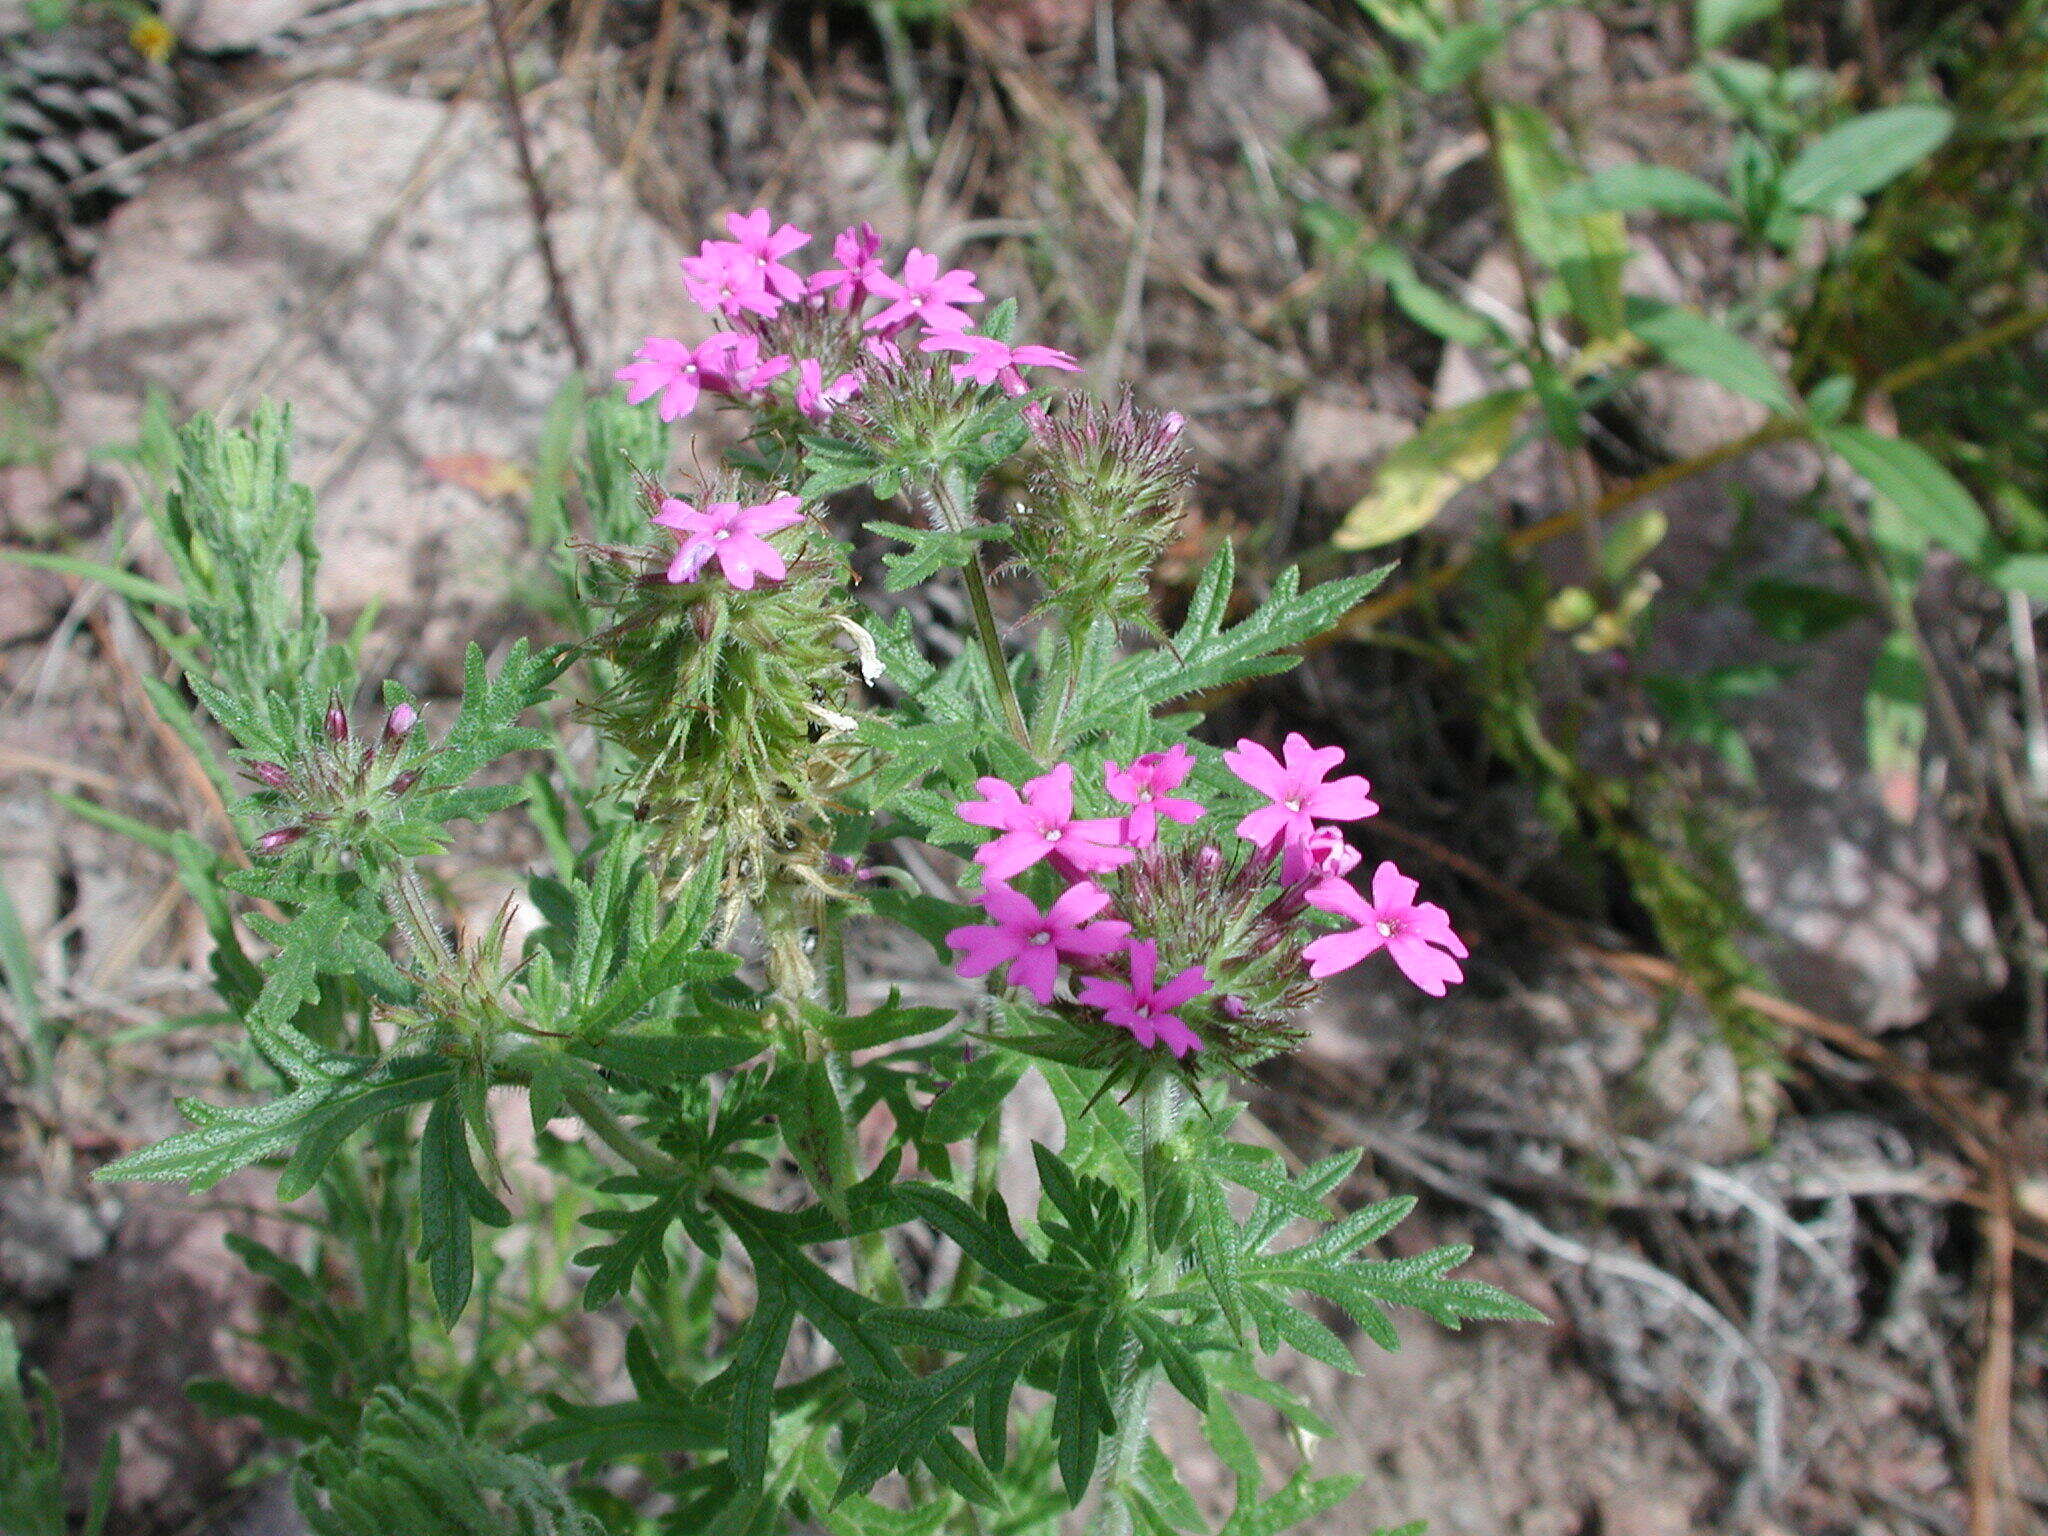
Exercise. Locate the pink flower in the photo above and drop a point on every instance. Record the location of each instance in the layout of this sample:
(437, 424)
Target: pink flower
(1296, 789)
(817, 399)
(1146, 786)
(763, 248)
(1040, 823)
(724, 363)
(924, 293)
(1145, 1009)
(1417, 934)
(995, 362)
(1322, 857)
(853, 279)
(1034, 942)
(731, 533)
(725, 281)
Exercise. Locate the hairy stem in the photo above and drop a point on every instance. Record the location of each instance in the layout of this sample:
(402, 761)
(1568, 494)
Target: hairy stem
(605, 1124)
(948, 511)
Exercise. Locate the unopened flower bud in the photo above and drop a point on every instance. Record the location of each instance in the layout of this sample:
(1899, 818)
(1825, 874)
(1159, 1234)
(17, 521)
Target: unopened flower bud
(399, 723)
(405, 781)
(281, 838)
(1209, 860)
(337, 721)
(271, 775)
(703, 621)
(1232, 1005)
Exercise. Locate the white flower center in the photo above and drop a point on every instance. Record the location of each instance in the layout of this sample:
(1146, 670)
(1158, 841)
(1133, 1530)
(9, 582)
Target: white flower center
(1041, 937)
(721, 536)
(1054, 834)
(1387, 929)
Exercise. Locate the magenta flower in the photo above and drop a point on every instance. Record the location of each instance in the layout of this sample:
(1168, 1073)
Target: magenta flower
(1297, 790)
(724, 280)
(679, 372)
(1039, 824)
(1033, 943)
(1144, 1008)
(817, 399)
(763, 247)
(995, 362)
(1146, 786)
(853, 279)
(1417, 934)
(924, 293)
(732, 534)
(1323, 856)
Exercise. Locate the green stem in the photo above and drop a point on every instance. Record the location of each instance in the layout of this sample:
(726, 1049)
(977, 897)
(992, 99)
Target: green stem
(409, 905)
(948, 511)
(1160, 1105)
(604, 1123)
(992, 652)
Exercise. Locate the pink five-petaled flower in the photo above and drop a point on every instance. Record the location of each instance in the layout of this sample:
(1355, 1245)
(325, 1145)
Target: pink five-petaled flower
(723, 363)
(1146, 786)
(1143, 1007)
(996, 362)
(1040, 823)
(724, 280)
(853, 279)
(732, 534)
(818, 399)
(1296, 788)
(924, 293)
(1417, 934)
(762, 246)
(1034, 942)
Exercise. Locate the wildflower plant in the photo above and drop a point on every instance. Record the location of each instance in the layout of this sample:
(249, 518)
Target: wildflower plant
(837, 1319)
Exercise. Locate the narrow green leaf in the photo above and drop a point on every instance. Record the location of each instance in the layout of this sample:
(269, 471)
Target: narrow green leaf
(1856, 158)
(1913, 483)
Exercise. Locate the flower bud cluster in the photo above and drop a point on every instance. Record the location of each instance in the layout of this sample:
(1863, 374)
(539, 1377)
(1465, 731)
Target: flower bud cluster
(1103, 502)
(1205, 951)
(730, 681)
(341, 792)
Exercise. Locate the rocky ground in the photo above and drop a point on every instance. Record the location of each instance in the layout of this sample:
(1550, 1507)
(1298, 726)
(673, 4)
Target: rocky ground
(1765, 1316)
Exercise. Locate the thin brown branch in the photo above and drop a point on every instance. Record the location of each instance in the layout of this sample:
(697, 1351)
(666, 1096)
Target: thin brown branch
(536, 194)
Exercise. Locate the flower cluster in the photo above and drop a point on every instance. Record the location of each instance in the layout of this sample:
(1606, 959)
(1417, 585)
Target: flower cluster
(1187, 945)
(762, 303)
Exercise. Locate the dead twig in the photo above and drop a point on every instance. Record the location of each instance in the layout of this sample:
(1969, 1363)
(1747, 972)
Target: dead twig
(536, 194)
(1990, 1470)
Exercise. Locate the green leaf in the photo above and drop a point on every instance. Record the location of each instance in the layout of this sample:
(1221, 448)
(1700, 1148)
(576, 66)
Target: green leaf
(1915, 486)
(641, 1239)
(931, 550)
(1855, 158)
(1172, 1357)
(756, 1358)
(988, 1240)
(138, 589)
(1715, 21)
(1206, 655)
(1459, 53)
(1585, 250)
(451, 1195)
(2025, 574)
(1453, 448)
(1645, 188)
(1688, 340)
(1797, 612)
(1303, 1498)
(227, 1139)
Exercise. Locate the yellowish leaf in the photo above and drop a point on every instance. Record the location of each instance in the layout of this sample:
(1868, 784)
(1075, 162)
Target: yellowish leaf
(1454, 448)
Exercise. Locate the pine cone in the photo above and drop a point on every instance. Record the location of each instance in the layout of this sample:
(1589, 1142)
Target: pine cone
(71, 105)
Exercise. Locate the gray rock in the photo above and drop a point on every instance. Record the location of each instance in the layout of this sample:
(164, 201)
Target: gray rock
(230, 26)
(46, 1235)
(1860, 915)
(1335, 441)
(370, 258)
(1257, 80)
